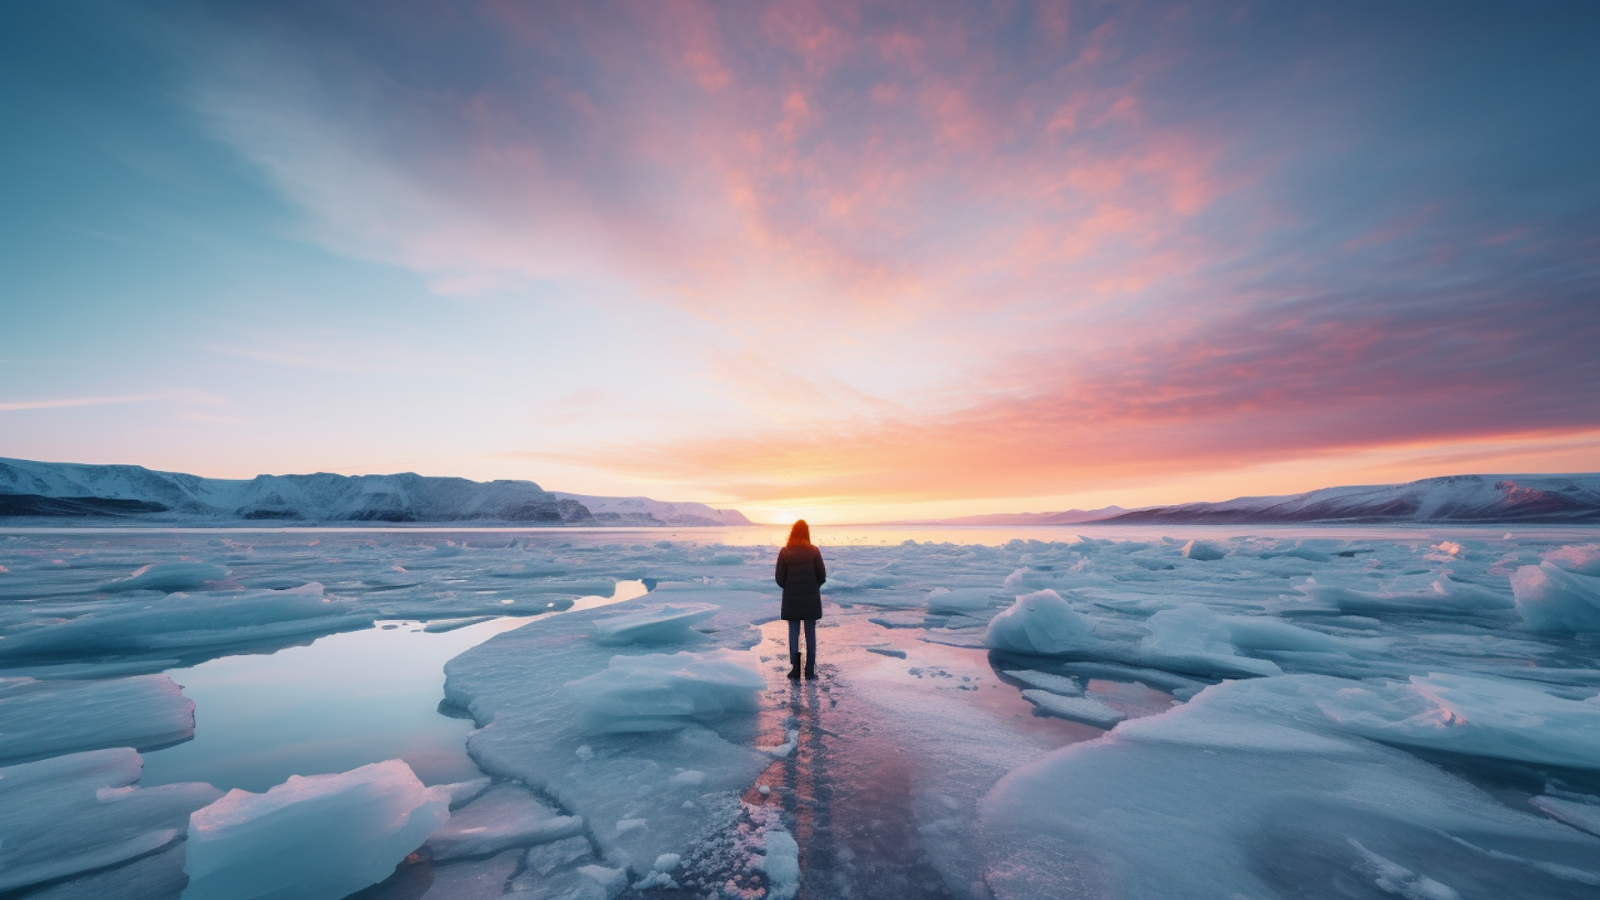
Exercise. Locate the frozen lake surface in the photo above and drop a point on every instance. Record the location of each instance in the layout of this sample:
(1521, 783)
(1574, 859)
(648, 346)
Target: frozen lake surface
(1001, 712)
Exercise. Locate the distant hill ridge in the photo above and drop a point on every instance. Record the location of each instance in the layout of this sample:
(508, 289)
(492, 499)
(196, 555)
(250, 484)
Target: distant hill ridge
(1455, 499)
(56, 491)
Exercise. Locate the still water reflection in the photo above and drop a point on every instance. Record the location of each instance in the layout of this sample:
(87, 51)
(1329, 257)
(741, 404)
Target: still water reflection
(343, 701)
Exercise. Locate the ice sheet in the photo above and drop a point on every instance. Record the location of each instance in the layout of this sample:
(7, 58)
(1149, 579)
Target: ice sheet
(1355, 654)
(1041, 623)
(541, 731)
(40, 719)
(85, 811)
(187, 622)
(1551, 598)
(1204, 802)
(658, 691)
(506, 815)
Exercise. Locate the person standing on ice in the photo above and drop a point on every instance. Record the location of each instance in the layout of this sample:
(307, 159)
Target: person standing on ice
(801, 573)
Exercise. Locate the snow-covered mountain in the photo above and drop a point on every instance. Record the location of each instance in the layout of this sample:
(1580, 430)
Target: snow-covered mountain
(644, 511)
(70, 490)
(1452, 498)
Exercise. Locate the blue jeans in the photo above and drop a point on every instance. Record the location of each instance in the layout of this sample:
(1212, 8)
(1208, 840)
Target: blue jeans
(811, 637)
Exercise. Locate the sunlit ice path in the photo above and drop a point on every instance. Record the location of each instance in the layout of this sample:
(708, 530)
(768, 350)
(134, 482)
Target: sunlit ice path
(404, 407)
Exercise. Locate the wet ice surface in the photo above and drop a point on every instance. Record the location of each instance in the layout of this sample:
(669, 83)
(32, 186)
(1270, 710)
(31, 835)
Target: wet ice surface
(343, 701)
(1353, 713)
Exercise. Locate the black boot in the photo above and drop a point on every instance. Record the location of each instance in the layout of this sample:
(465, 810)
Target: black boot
(794, 662)
(811, 665)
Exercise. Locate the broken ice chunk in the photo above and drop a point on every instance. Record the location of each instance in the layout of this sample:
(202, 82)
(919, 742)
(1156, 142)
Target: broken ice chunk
(1041, 623)
(782, 865)
(464, 792)
(444, 625)
(960, 600)
(1087, 710)
(668, 624)
(70, 814)
(505, 816)
(1581, 813)
(1194, 639)
(317, 838)
(168, 577)
(1055, 684)
(1202, 552)
(611, 881)
(688, 778)
(1551, 598)
(1472, 716)
(543, 859)
(663, 691)
(189, 622)
(47, 718)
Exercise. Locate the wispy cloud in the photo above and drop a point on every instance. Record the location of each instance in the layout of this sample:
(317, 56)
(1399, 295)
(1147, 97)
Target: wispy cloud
(945, 249)
(64, 402)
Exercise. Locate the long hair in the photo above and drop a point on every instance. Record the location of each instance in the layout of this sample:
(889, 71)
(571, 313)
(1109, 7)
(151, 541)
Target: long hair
(800, 534)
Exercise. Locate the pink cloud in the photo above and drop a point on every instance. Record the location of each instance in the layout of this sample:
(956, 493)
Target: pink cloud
(1003, 264)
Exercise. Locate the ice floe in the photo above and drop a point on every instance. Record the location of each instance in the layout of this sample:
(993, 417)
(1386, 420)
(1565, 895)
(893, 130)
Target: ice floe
(1206, 801)
(666, 624)
(315, 837)
(85, 811)
(182, 622)
(505, 815)
(1041, 623)
(1368, 688)
(563, 713)
(1551, 598)
(48, 718)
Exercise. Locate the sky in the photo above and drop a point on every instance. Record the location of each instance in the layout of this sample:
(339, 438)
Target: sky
(853, 261)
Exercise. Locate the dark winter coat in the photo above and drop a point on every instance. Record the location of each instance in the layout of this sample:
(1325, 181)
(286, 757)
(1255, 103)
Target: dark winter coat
(801, 573)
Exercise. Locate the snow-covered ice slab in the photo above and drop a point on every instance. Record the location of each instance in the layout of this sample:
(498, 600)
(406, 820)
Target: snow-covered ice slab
(1195, 639)
(660, 691)
(1553, 599)
(1470, 650)
(1041, 623)
(1087, 710)
(1206, 802)
(1444, 598)
(311, 838)
(960, 601)
(506, 815)
(665, 624)
(537, 729)
(157, 876)
(184, 622)
(1576, 810)
(169, 577)
(1472, 716)
(1203, 552)
(84, 811)
(1055, 684)
(39, 719)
